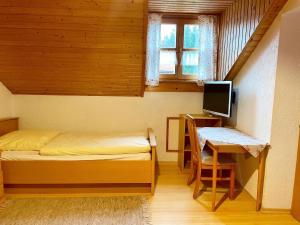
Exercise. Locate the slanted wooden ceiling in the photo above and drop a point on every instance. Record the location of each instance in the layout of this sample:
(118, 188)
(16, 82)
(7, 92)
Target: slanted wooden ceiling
(97, 47)
(242, 27)
(72, 47)
(189, 6)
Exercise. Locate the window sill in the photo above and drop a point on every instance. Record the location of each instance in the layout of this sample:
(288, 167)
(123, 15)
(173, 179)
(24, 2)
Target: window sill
(175, 86)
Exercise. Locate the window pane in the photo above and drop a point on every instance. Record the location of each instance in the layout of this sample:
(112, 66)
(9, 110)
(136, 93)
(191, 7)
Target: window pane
(168, 36)
(168, 62)
(190, 63)
(191, 36)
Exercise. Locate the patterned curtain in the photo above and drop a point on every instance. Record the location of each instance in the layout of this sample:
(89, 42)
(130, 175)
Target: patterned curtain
(153, 50)
(208, 48)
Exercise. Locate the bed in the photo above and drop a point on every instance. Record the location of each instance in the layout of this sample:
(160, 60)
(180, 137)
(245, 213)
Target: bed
(28, 172)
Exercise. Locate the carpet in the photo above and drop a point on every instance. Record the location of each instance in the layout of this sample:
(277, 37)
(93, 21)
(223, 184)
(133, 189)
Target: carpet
(126, 210)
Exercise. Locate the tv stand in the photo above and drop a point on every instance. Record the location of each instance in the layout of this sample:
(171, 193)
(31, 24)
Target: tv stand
(184, 154)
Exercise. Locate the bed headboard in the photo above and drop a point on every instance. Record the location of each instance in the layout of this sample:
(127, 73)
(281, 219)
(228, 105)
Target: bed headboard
(8, 125)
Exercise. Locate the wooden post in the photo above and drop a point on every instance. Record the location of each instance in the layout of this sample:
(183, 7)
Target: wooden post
(1, 182)
(296, 195)
(232, 183)
(261, 176)
(214, 180)
(153, 144)
(153, 149)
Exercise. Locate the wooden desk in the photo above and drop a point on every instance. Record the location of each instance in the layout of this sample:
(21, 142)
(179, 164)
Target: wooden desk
(230, 148)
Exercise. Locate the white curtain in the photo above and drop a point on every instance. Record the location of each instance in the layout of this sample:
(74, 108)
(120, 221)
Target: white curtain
(153, 50)
(208, 48)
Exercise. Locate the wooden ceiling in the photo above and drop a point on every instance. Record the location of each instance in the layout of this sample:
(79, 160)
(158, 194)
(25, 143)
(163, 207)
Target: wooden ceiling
(189, 6)
(72, 47)
(242, 27)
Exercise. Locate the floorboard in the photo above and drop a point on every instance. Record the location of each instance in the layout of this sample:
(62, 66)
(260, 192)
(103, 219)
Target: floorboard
(173, 204)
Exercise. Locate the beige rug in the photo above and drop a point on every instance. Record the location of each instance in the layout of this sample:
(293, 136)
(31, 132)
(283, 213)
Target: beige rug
(132, 210)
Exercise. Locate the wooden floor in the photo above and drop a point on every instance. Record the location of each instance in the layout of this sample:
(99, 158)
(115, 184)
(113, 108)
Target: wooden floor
(173, 204)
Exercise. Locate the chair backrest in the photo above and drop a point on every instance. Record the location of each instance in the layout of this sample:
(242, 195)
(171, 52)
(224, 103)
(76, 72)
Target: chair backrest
(194, 141)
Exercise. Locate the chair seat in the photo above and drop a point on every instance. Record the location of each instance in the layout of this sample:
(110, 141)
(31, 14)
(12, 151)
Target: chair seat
(207, 158)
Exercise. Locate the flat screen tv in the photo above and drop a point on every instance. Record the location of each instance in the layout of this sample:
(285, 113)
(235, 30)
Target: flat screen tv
(217, 98)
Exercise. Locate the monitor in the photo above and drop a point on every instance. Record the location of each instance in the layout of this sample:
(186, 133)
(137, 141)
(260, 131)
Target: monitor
(217, 98)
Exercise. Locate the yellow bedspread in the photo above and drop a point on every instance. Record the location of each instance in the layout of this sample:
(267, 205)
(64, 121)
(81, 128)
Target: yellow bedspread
(26, 140)
(93, 144)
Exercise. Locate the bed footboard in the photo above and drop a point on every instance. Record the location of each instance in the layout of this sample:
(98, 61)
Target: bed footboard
(153, 144)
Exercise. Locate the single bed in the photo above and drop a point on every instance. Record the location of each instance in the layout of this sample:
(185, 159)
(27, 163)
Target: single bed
(33, 172)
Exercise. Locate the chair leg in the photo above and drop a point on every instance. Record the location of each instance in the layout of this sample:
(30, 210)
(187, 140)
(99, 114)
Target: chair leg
(198, 182)
(214, 180)
(193, 174)
(232, 183)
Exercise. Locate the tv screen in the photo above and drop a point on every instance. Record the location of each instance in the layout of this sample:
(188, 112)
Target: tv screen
(217, 98)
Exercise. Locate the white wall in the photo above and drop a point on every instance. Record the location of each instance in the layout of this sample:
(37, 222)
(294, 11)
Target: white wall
(255, 86)
(256, 109)
(6, 99)
(107, 114)
(286, 115)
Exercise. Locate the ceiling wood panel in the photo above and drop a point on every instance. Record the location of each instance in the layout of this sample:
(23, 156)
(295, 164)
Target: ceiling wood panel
(189, 6)
(73, 47)
(242, 27)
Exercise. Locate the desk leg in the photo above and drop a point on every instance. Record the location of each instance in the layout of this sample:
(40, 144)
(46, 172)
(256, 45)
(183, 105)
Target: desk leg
(261, 176)
(214, 179)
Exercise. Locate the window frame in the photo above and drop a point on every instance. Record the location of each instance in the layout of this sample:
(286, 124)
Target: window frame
(180, 22)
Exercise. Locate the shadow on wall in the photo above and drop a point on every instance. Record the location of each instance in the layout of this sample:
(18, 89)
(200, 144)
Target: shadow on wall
(232, 121)
(247, 168)
(247, 164)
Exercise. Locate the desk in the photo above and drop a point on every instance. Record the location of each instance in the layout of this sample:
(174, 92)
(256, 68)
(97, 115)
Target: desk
(222, 147)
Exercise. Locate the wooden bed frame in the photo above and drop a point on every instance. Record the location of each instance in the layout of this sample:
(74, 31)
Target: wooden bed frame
(61, 177)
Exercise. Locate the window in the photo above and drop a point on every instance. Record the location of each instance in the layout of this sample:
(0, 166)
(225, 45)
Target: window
(179, 49)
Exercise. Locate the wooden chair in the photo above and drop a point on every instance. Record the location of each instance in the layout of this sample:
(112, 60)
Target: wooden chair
(203, 161)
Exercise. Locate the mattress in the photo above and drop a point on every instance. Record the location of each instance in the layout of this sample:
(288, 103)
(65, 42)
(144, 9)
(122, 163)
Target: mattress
(34, 155)
(53, 143)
